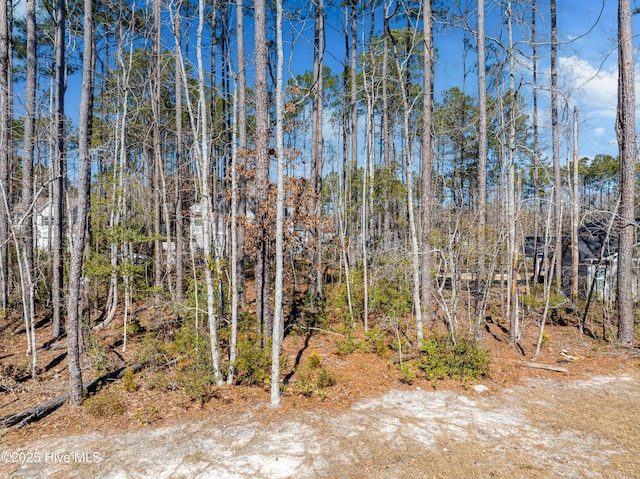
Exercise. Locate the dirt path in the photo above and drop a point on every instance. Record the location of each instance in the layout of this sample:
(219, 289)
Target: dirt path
(545, 428)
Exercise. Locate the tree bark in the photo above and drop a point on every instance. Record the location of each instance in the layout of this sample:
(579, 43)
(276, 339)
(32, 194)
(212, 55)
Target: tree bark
(483, 283)
(179, 165)
(79, 228)
(555, 141)
(278, 318)
(512, 303)
(316, 280)
(242, 148)
(27, 179)
(262, 166)
(536, 143)
(59, 173)
(575, 212)
(626, 132)
(5, 151)
(428, 155)
(155, 84)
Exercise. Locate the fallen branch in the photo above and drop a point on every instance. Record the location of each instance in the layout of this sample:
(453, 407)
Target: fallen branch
(547, 367)
(36, 413)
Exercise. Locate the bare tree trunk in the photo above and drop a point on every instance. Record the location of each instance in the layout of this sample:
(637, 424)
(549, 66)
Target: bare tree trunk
(555, 140)
(60, 173)
(575, 212)
(354, 97)
(386, 220)
(626, 132)
(207, 203)
(536, 147)
(483, 283)
(242, 147)
(512, 306)
(27, 178)
(428, 155)
(5, 151)
(315, 278)
(233, 340)
(278, 318)
(179, 165)
(346, 127)
(79, 228)
(262, 166)
(155, 81)
(413, 231)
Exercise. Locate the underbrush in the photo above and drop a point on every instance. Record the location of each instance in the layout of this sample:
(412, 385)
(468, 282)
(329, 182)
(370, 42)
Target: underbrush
(313, 377)
(462, 358)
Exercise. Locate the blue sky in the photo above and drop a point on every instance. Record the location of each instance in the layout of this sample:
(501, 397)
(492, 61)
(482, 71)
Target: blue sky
(587, 59)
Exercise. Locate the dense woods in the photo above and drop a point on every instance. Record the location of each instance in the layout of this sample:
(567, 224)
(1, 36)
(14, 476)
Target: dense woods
(243, 171)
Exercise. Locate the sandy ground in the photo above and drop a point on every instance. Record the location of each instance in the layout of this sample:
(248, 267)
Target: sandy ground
(543, 428)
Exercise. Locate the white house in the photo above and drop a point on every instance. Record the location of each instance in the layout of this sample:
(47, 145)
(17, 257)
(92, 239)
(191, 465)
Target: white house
(43, 222)
(196, 229)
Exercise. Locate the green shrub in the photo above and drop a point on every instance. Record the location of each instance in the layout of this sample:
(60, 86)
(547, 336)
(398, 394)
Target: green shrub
(107, 403)
(305, 386)
(408, 374)
(441, 358)
(196, 383)
(129, 381)
(347, 345)
(326, 379)
(314, 361)
(253, 363)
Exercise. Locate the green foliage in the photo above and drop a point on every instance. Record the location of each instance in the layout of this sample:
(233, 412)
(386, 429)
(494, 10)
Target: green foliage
(153, 351)
(97, 355)
(305, 386)
(536, 299)
(314, 377)
(314, 361)
(105, 404)
(146, 416)
(374, 341)
(325, 379)
(407, 372)
(347, 345)
(337, 299)
(443, 358)
(390, 292)
(253, 363)
(308, 311)
(196, 383)
(129, 381)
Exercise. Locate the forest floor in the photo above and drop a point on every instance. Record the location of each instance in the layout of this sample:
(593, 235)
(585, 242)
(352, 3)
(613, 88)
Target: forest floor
(515, 422)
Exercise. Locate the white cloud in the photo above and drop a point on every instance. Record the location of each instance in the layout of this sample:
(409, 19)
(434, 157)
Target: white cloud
(595, 87)
(598, 131)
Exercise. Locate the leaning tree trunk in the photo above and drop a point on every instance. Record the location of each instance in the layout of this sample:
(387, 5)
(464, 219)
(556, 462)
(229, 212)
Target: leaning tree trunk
(27, 181)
